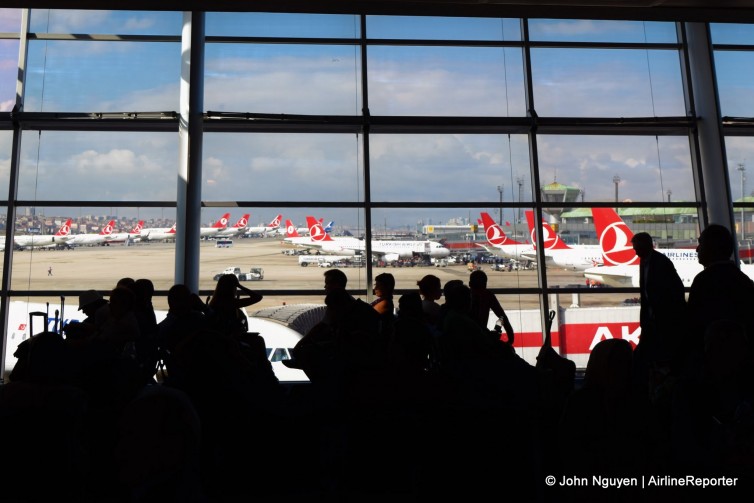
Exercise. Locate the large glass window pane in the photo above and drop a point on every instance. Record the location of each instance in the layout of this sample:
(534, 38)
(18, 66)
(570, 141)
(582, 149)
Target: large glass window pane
(443, 28)
(6, 146)
(436, 81)
(106, 22)
(453, 167)
(76, 249)
(285, 167)
(273, 258)
(8, 74)
(118, 166)
(586, 30)
(734, 86)
(607, 83)
(295, 79)
(10, 20)
(268, 24)
(117, 76)
(624, 168)
(739, 149)
(730, 33)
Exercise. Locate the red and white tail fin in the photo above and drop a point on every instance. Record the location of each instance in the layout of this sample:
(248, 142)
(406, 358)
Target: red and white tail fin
(222, 223)
(551, 238)
(137, 228)
(290, 230)
(494, 233)
(242, 222)
(108, 229)
(316, 232)
(172, 229)
(65, 229)
(615, 237)
(275, 223)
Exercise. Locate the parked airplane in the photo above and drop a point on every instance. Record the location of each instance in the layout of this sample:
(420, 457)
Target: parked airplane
(621, 264)
(501, 245)
(266, 229)
(100, 238)
(61, 237)
(221, 224)
(237, 229)
(157, 233)
(558, 253)
(133, 236)
(387, 250)
(318, 240)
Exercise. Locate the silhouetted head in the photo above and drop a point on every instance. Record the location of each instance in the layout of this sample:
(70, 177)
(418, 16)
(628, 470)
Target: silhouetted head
(715, 244)
(410, 304)
(127, 282)
(609, 366)
(179, 298)
(478, 279)
(384, 284)
(122, 301)
(450, 286)
(458, 297)
(144, 289)
(90, 301)
(430, 287)
(335, 279)
(643, 244)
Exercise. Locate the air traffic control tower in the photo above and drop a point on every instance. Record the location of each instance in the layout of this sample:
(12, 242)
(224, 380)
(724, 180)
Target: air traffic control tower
(558, 193)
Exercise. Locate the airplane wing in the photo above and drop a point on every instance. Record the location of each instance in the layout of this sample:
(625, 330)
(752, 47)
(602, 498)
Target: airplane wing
(615, 276)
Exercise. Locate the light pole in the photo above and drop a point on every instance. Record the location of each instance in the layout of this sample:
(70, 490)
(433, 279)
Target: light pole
(742, 169)
(670, 192)
(520, 182)
(500, 191)
(582, 193)
(616, 181)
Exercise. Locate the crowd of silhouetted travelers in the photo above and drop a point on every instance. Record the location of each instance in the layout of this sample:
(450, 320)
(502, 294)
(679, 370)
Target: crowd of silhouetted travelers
(412, 398)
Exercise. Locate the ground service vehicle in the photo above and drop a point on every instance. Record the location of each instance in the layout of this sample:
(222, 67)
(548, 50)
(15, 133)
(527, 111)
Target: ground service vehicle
(254, 274)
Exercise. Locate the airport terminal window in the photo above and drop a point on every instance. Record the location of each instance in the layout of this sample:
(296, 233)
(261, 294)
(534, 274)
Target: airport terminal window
(283, 78)
(282, 167)
(449, 167)
(98, 166)
(618, 168)
(118, 76)
(443, 28)
(8, 58)
(620, 83)
(484, 81)
(105, 22)
(449, 137)
(610, 31)
(282, 25)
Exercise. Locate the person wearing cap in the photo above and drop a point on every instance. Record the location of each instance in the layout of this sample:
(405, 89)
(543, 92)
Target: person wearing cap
(89, 303)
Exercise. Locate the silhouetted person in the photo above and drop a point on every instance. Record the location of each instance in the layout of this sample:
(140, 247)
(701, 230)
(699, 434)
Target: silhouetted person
(593, 429)
(712, 416)
(430, 289)
(226, 303)
(720, 292)
(483, 301)
(89, 303)
(663, 310)
(384, 285)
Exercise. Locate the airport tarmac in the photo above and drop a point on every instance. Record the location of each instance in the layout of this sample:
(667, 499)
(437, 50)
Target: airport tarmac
(100, 267)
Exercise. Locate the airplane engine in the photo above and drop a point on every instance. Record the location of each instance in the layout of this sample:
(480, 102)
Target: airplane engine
(391, 257)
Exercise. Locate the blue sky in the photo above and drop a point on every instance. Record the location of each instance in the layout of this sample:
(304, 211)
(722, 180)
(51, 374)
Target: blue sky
(324, 79)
